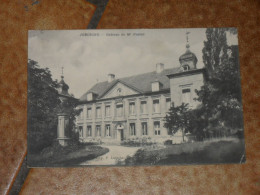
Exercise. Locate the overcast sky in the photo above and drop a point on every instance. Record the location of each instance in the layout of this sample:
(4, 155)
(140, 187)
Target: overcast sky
(88, 59)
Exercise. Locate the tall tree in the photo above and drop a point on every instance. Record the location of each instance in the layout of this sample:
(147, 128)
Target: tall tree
(221, 95)
(215, 48)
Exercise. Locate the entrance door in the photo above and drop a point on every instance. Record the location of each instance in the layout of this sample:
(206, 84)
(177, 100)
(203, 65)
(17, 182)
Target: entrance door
(122, 135)
(120, 132)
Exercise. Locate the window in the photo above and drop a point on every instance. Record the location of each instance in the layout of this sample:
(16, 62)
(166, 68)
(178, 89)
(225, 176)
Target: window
(131, 108)
(108, 131)
(119, 110)
(144, 128)
(119, 91)
(186, 67)
(132, 129)
(107, 110)
(90, 96)
(98, 130)
(143, 107)
(156, 106)
(186, 96)
(98, 112)
(80, 131)
(157, 130)
(89, 112)
(168, 104)
(89, 131)
(155, 86)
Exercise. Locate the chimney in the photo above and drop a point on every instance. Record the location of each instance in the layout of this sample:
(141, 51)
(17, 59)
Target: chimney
(159, 67)
(111, 77)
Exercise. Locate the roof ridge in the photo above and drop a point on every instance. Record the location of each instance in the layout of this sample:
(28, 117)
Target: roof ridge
(148, 73)
(139, 82)
(137, 75)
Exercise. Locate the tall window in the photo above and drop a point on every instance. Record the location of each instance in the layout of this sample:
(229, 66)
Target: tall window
(168, 104)
(132, 129)
(107, 110)
(156, 106)
(98, 112)
(144, 128)
(143, 107)
(89, 131)
(108, 131)
(89, 112)
(131, 108)
(80, 131)
(98, 130)
(119, 110)
(81, 115)
(157, 130)
(186, 96)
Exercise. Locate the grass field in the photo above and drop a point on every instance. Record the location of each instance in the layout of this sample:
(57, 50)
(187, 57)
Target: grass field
(209, 152)
(69, 156)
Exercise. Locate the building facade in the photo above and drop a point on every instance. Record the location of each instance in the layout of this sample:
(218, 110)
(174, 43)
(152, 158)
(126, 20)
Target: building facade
(131, 107)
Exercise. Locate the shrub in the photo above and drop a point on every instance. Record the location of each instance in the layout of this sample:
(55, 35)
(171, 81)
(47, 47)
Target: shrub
(137, 141)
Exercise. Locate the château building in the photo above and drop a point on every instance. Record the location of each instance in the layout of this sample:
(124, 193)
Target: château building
(135, 106)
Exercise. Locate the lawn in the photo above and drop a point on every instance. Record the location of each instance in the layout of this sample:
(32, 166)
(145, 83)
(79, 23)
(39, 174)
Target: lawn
(209, 152)
(69, 156)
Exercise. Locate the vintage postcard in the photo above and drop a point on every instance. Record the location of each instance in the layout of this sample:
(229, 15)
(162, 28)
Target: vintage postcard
(136, 97)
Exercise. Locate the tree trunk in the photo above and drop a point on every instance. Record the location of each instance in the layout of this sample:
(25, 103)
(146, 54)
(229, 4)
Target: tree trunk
(182, 134)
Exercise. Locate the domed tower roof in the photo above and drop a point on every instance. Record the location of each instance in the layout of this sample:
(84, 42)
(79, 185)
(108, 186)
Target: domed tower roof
(188, 59)
(188, 55)
(63, 87)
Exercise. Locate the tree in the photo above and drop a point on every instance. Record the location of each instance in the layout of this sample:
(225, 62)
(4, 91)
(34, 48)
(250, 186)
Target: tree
(42, 103)
(215, 48)
(221, 94)
(178, 118)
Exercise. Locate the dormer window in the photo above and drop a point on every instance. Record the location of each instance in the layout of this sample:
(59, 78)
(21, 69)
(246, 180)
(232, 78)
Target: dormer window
(90, 96)
(186, 67)
(156, 86)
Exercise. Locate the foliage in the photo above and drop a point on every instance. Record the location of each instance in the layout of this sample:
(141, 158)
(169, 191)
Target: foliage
(42, 101)
(220, 97)
(221, 151)
(221, 94)
(215, 45)
(138, 141)
(178, 118)
(72, 155)
(43, 106)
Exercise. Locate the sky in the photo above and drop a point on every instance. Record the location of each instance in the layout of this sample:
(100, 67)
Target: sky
(88, 58)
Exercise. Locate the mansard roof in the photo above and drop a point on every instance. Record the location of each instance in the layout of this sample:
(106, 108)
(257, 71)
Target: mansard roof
(141, 83)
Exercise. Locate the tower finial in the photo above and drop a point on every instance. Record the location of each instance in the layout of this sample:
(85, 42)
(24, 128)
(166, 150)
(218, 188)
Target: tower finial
(187, 38)
(62, 72)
